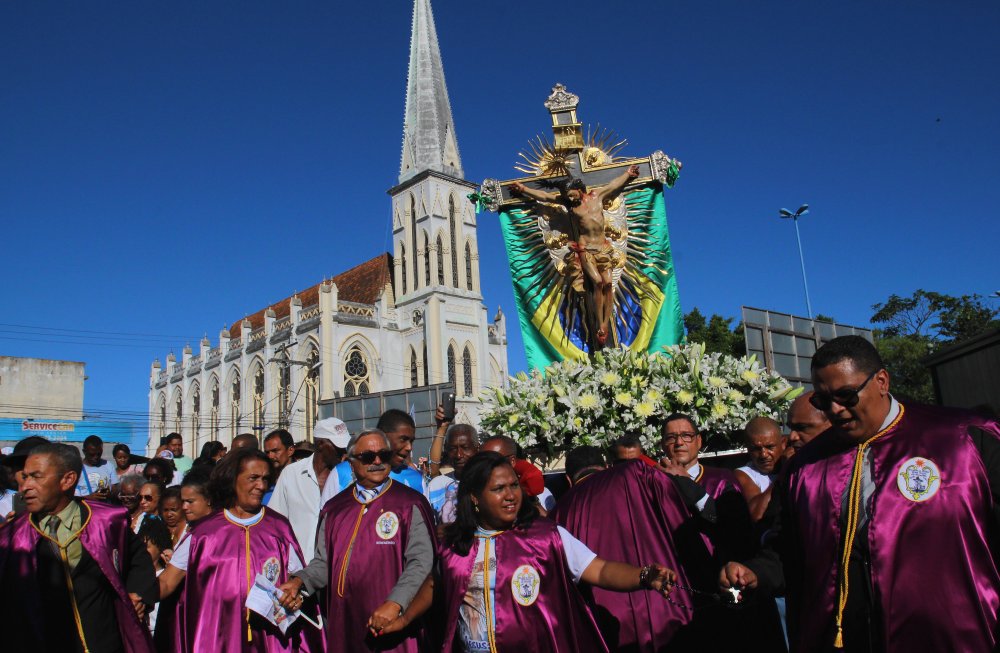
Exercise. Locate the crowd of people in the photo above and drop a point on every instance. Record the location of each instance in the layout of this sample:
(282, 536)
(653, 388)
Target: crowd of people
(863, 523)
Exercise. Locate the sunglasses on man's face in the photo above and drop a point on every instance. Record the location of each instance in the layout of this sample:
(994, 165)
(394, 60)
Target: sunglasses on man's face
(369, 457)
(846, 397)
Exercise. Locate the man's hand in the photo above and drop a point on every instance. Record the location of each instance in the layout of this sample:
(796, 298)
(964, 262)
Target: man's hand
(670, 467)
(140, 607)
(384, 615)
(633, 172)
(290, 598)
(736, 575)
(662, 580)
(440, 418)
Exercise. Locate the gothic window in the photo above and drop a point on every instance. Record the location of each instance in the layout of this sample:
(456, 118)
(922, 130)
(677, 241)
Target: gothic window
(195, 414)
(413, 240)
(234, 408)
(467, 371)
(163, 416)
(402, 266)
(179, 416)
(356, 376)
(427, 260)
(451, 364)
(414, 380)
(215, 410)
(258, 400)
(468, 266)
(454, 238)
(427, 366)
(440, 253)
(312, 391)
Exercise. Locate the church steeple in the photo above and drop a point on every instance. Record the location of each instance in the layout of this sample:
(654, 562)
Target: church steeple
(429, 141)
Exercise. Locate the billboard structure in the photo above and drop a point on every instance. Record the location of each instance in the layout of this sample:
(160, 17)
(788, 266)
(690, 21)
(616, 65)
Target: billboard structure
(786, 343)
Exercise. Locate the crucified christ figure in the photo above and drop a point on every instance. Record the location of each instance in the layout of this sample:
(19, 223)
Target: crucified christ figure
(585, 226)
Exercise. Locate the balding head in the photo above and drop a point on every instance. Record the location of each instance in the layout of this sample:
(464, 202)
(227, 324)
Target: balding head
(765, 444)
(762, 426)
(805, 422)
(245, 440)
(502, 444)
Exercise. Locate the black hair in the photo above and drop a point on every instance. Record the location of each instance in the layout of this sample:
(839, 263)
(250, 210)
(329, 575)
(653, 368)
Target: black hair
(565, 184)
(581, 458)
(856, 349)
(199, 479)
(154, 529)
(627, 441)
(209, 451)
(673, 417)
(392, 419)
(286, 438)
(222, 485)
(165, 466)
(476, 474)
(173, 436)
(172, 492)
(93, 440)
(121, 447)
(66, 457)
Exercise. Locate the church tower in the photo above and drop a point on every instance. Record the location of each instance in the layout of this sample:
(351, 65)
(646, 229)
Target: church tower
(435, 251)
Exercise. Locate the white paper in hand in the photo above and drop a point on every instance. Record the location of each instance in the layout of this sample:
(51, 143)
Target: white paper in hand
(263, 599)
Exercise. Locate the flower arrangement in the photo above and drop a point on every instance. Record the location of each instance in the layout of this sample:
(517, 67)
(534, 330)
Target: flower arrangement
(619, 391)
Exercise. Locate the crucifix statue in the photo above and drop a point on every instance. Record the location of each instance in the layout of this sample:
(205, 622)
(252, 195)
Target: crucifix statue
(580, 248)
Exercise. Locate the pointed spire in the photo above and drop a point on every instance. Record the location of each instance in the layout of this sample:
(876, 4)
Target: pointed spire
(429, 141)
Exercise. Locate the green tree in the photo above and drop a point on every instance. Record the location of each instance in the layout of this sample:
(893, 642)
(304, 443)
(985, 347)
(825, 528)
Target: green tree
(715, 333)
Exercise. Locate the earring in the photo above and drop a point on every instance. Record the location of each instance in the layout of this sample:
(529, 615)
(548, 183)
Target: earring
(475, 507)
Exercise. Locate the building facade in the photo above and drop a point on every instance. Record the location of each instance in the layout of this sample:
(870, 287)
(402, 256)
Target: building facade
(406, 319)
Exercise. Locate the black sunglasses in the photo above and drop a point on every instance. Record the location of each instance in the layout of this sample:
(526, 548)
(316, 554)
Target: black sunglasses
(146, 497)
(369, 457)
(846, 397)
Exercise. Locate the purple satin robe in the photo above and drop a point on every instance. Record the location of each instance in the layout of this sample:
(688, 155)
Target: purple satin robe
(557, 621)
(630, 513)
(933, 574)
(212, 617)
(103, 537)
(373, 538)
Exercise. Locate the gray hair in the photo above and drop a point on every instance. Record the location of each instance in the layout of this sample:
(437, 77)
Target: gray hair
(65, 456)
(356, 438)
(456, 430)
(128, 479)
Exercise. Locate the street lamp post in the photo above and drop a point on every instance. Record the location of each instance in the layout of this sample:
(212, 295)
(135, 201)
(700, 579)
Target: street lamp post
(786, 214)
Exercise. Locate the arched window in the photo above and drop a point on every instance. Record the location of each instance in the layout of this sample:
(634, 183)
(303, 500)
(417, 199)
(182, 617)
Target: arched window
(427, 366)
(454, 240)
(451, 364)
(234, 407)
(414, 379)
(258, 401)
(214, 426)
(195, 415)
(468, 266)
(402, 265)
(312, 391)
(427, 259)
(163, 416)
(356, 374)
(413, 240)
(179, 416)
(467, 371)
(440, 253)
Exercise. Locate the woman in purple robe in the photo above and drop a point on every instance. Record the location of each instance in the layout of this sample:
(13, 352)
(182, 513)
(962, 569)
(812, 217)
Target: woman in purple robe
(508, 577)
(224, 554)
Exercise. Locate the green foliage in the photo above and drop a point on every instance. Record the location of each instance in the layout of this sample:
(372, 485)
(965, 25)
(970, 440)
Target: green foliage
(917, 326)
(824, 318)
(715, 333)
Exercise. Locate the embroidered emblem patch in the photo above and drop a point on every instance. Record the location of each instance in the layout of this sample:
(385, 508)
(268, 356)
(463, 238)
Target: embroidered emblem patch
(525, 585)
(271, 569)
(918, 479)
(387, 525)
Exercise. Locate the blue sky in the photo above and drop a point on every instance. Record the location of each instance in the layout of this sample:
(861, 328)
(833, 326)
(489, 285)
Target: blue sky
(167, 168)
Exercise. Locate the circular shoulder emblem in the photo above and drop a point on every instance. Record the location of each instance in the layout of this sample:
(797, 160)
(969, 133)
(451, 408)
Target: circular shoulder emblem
(387, 525)
(918, 479)
(525, 584)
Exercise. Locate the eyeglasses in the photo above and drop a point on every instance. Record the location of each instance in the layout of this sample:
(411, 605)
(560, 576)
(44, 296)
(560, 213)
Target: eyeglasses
(128, 497)
(671, 438)
(145, 497)
(369, 457)
(846, 397)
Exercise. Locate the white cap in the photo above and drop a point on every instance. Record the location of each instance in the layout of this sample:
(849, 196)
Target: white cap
(6, 451)
(334, 430)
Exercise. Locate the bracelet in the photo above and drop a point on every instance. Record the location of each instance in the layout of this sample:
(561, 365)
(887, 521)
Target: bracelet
(433, 462)
(644, 577)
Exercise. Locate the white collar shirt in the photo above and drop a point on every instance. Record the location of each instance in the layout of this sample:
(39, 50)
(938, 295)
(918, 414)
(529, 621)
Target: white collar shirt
(297, 497)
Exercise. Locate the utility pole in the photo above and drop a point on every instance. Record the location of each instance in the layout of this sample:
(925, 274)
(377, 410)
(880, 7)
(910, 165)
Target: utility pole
(786, 214)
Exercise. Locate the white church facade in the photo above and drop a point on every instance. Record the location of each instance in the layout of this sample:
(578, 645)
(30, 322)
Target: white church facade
(408, 319)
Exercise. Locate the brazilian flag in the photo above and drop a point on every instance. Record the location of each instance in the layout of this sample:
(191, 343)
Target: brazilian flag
(647, 312)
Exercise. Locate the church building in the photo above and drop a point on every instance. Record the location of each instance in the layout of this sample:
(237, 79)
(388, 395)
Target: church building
(405, 319)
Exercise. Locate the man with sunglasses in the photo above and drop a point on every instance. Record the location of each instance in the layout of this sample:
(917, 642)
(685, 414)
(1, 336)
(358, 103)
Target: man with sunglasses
(374, 550)
(887, 522)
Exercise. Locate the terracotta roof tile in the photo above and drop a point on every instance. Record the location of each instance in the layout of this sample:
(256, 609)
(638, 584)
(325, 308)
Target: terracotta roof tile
(361, 284)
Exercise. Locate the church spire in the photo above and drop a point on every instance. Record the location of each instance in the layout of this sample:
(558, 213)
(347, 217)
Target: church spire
(429, 141)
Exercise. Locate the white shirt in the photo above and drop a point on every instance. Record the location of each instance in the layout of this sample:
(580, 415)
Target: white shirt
(182, 554)
(547, 499)
(762, 481)
(694, 472)
(297, 497)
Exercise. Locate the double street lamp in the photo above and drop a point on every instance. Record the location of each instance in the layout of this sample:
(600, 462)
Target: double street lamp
(794, 217)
